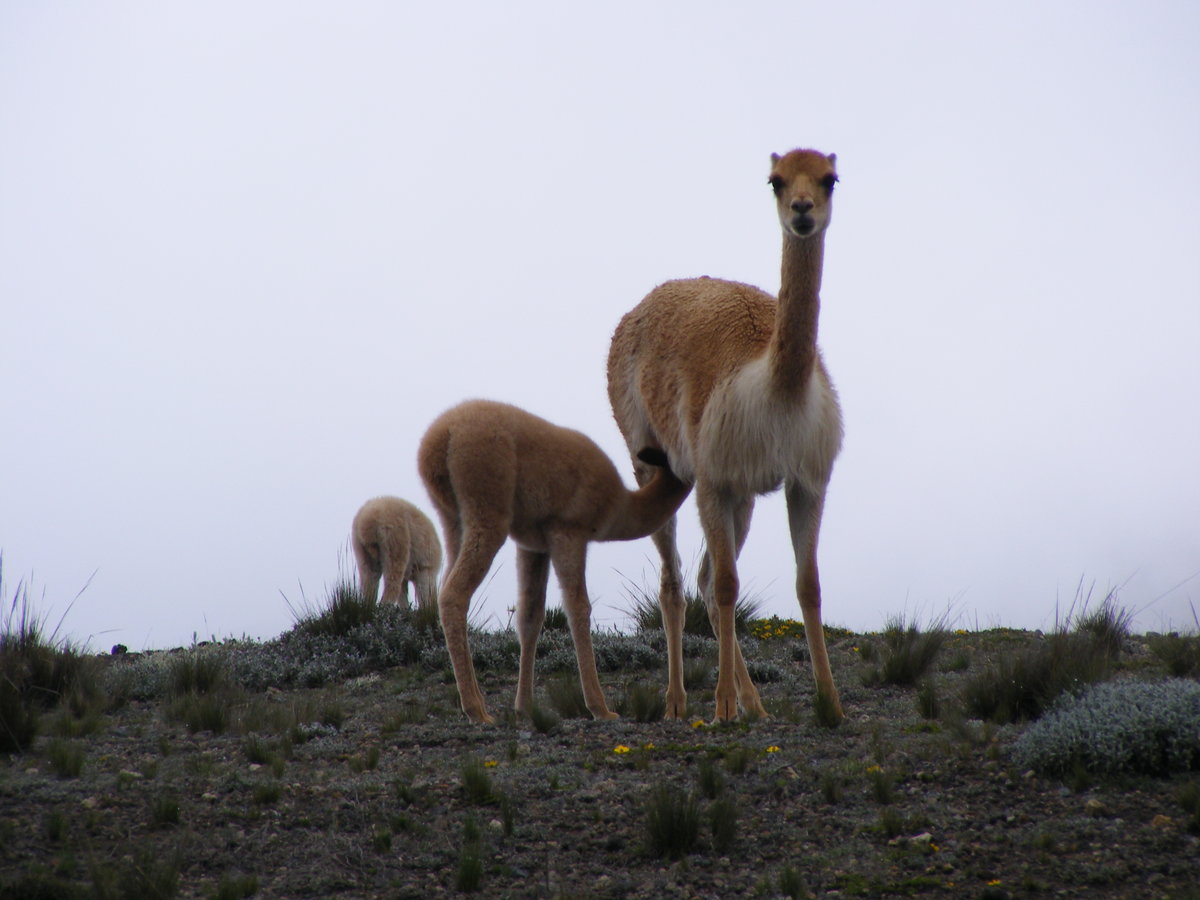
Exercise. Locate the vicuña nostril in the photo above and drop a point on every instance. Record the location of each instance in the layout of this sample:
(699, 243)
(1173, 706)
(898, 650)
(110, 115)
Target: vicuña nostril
(802, 206)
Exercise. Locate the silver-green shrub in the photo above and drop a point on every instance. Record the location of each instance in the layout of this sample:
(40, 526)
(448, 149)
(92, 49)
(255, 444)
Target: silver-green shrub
(1139, 727)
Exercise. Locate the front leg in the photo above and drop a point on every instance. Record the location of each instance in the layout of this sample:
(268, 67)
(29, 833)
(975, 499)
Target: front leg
(569, 555)
(717, 519)
(804, 518)
(748, 697)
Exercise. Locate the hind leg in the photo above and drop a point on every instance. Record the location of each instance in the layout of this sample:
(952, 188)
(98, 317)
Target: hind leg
(478, 549)
(369, 570)
(533, 571)
(395, 552)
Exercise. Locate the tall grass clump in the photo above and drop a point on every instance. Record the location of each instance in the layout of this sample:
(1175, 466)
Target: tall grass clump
(1135, 727)
(1021, 686)
(565, 694)
(38, 671)
(647, 614)
(1179, 653)
(346, 609)
(202, 695)
(672, 821)
(468, 874)
(642, 703)
(476, 782)
(906, 653)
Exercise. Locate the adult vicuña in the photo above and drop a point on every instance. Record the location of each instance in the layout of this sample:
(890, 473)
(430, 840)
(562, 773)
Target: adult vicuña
(494, 471)
(730, 383)
(395, 541)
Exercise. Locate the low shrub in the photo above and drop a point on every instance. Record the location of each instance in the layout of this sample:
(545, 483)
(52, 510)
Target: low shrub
(1139, 727)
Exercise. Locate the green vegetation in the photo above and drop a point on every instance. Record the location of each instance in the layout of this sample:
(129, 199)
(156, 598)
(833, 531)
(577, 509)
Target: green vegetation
(672, 821)
(905, 653)
(1022, 685)
(647, 614)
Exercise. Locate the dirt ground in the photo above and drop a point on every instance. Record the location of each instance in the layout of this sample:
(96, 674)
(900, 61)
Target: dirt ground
(384, 790)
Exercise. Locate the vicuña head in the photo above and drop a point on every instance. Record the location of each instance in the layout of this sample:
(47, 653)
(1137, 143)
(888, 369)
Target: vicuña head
(494, 471)
(803, 184)
(730, 383)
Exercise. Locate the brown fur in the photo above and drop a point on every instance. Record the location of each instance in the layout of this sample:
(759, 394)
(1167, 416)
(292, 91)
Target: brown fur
(730, 383)
(395, 541)
(494, 471)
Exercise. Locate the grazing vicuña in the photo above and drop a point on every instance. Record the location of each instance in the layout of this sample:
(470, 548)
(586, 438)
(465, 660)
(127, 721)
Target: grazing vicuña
(495, 471)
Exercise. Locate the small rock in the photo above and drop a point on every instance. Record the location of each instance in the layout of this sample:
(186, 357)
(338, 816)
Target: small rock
(1162, 822)
(923, 838)
(130, 774)
(1095, 808)
(90, 802)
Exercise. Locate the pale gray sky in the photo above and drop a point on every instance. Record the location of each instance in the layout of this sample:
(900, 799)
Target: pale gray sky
(248, 251)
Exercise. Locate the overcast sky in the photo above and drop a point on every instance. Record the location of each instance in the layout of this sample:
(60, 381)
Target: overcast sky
(249, 250)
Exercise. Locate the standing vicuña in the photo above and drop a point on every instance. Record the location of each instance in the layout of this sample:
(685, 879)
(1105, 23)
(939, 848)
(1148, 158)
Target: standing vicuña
(395, 541)
(730, 383)
(494, 471)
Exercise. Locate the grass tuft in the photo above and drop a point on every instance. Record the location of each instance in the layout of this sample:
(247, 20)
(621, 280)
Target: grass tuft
(672, 821)
(476, 782)
(642, 703)
(646, 613)
(566, 697)
(722, 820)
(544, 719)
(1022, 686)
(37, 672)
(907, 652)
(346, 609)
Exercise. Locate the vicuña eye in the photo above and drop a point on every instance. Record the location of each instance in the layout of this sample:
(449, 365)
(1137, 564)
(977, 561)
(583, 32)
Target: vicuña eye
(828, 182)
(776, 183)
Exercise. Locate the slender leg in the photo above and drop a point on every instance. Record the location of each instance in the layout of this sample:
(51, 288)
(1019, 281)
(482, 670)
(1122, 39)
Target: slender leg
(717, 518)
(569, 555)
(369, 569)
(368, 581)
(425, 587)
(804, 517)
(748, 697)
(394, 551)
(471, 565)
(533, 571)
(672, 604)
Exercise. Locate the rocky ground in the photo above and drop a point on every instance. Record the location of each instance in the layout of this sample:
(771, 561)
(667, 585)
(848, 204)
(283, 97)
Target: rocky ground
(375, 786)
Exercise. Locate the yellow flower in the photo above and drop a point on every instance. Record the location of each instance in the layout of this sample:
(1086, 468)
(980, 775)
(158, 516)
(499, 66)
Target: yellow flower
(699, 723)
(772, 749)
(871, 770)
(491, 764)
(994, 882)
(649, 746)
(620, 748)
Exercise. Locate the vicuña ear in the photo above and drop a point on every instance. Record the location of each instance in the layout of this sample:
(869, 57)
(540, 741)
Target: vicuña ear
(652, 456)
(775, 157)
(832, 157)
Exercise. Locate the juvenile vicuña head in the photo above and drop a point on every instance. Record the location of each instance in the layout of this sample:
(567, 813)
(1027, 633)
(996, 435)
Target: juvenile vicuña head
(803, 183)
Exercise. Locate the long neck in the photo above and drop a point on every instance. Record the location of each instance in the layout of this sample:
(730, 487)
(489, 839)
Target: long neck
(647, 509)
(794, 344)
